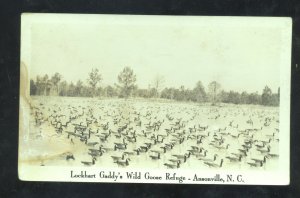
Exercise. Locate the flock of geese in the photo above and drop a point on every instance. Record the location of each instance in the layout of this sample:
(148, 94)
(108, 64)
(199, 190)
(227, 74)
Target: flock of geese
(129, 133)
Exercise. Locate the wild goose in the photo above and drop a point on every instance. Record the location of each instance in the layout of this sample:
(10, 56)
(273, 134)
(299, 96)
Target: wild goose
(221, 146)
(155, 157)
(208, 159)
(91, 143)
(201, 155)
(137, 151)
(273, 155)
(235, 136)
(234, 159)
(123, 162)
(119, 146)
(270, 136)
(260, 164)
(95, 154)
(89, 163)
(211, 164)
(96, 151)
(186, 155)
(172, 166)
(260, 160)
(247, 146)
(262, 150)
(116, 158)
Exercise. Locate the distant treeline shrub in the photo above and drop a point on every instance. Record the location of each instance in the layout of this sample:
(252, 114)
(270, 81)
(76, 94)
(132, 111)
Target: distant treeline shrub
(126, 87)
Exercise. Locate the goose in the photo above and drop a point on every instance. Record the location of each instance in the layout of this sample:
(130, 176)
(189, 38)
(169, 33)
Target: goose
(116, 158)
(95, 154)
(155, 157)
(208, 159)
(148, 144)
(89, 163)
(260, 164)
(221, 147)
(137, 151)
(273, 155)
(234, 159)
(174, 161)
(211, 164)
(187, 155)
(96, 151)
(70, 156)
(143, 149)
(270, 136)
(266, 142)
(91, 143)
(201, 155)
(131, 139)
(128, 153)
(123, 162)
(260, 160)
(172, 166)
(120, 146)
(261, 150)
(194, 152)
(195, 148)
(235, 136)
(247, 146)
(164, 148)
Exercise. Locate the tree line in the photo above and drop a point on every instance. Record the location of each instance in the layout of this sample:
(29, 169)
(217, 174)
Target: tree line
(126, 87)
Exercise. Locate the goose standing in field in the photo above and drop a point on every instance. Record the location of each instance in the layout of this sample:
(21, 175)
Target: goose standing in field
(221, 146)
(208, 159)
(172, 166)
(273, 155)
(260, 164)
(185, 156)
(89, 163)
(90, 143)
(70, 156)
(262, 150)
(117, 158)
(201, 155)
(234, 159)
(260, 160)
(123, 162)
(155, 157)
(235, 136)
(214, 165)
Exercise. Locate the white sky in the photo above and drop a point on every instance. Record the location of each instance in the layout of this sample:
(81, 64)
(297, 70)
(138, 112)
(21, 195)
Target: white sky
(239, 54)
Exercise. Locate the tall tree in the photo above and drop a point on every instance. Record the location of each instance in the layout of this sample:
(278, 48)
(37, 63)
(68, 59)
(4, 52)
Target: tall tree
(199, 92)
(71, 90)
(78, 88)
(244, 98)
(33, 88)
(126, 81)
(158, 84)
(63, 91)
(266, 97)
(214, 88)
(55, 79)
(94, 79)
(46, 85)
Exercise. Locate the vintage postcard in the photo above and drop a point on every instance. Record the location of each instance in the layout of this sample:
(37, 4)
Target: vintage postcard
(155, 99)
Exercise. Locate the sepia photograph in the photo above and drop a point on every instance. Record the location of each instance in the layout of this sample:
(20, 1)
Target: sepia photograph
(155, 99)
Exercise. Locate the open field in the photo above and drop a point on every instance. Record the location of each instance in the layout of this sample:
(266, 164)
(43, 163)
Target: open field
(139, 133)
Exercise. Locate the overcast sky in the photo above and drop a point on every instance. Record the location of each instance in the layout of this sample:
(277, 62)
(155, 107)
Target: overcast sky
(240, 55)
